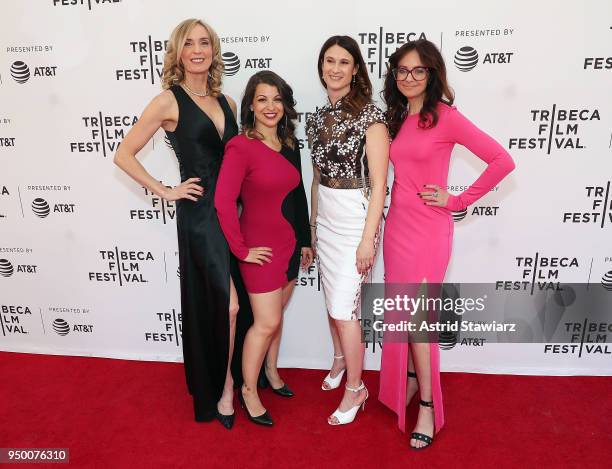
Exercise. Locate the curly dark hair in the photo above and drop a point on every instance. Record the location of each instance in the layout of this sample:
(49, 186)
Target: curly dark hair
(286, 127)
(437, 89)
(361, 91)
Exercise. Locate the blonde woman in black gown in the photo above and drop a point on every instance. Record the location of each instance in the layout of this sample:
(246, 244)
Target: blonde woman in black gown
(199, 120)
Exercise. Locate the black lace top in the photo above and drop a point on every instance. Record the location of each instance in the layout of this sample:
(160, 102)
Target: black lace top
(338, 139)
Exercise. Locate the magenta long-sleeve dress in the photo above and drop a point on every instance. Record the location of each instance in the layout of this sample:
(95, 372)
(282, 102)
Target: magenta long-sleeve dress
(418, 238)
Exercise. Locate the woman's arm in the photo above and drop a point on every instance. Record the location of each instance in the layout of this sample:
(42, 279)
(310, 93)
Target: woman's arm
(234, 169)
(377, 152)
(232, 173)
(161, 111)
(499, 162)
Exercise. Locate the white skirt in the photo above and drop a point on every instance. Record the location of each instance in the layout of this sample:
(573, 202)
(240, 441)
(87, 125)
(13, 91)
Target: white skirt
(341, 216)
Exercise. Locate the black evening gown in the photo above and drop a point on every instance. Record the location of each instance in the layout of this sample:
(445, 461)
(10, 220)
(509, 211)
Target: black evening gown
(205, 260)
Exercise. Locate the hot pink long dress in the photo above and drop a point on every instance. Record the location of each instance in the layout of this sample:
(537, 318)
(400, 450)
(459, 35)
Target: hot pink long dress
(418, 238)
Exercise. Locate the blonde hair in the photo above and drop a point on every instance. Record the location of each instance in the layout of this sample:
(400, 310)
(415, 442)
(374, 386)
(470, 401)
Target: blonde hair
(174, 71)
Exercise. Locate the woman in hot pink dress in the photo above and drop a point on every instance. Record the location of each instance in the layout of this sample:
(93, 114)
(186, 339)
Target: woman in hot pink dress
(419, 227)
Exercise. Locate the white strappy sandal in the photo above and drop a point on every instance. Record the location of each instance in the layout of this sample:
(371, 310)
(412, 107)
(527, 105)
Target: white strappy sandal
(333, 383)
(348, 416)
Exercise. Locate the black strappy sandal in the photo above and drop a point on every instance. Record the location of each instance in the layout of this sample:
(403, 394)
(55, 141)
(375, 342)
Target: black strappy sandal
(421, 436)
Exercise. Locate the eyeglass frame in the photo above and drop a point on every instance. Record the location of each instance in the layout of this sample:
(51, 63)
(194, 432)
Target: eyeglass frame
(410, 70)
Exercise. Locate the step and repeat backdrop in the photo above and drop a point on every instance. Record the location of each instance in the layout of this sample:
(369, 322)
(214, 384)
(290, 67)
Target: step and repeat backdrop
(89, 261)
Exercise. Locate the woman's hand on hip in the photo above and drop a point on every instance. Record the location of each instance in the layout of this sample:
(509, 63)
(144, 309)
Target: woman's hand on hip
(259, 255)
(187, 189)
(437, 197)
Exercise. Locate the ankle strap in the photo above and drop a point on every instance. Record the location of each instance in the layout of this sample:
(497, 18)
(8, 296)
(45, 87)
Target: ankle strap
(338, 357)
(357, 389)
(412, 374)
(426, 403)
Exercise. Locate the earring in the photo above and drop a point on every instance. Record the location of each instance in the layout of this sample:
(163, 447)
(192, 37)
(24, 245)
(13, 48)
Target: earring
(353, 80)
(253, 119)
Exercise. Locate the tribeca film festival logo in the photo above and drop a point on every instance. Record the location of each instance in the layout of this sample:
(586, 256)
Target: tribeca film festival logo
(160, 209)
(311, 278)
(598, 63)
(378, 47)
(584, 337)
(557, 129)
(42, 207)
(107, 132)
(467, 57)
(13, 319)
(600, 212)
(123, 267)
(171, 328)
(538, 273)
(149, 61)
(87, 3)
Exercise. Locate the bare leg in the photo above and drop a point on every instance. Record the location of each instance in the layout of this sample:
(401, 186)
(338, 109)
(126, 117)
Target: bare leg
(267, 312)
(272, 357)
(350, 340)
(225, 405)
(338, 364)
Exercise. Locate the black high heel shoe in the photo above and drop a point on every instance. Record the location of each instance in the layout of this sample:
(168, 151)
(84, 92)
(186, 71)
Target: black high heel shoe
(263, 419)
(226, 420)
(264, 382)
(283, 391)
(421, 436)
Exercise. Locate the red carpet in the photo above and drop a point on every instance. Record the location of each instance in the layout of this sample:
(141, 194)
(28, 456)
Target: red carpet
(115, 414)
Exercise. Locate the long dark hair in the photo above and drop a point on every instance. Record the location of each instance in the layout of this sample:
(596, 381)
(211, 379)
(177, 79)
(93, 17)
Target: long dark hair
(361, 91)
(286, 127)
(437, 89)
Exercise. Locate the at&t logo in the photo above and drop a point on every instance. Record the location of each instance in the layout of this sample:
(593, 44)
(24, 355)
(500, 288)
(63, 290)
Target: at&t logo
(557, 129)
(378, 47)
(62, 327)
(480, 210)
(232, 64)
(41, 208)
(600, 213)
(466, 58)
(21, 72)
(7, 269)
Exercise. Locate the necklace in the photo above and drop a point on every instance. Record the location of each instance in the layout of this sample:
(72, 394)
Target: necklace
(201, 95)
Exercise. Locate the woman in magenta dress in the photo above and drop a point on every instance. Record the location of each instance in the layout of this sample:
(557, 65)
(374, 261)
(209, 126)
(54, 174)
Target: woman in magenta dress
(419, 227)
(262, 166)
